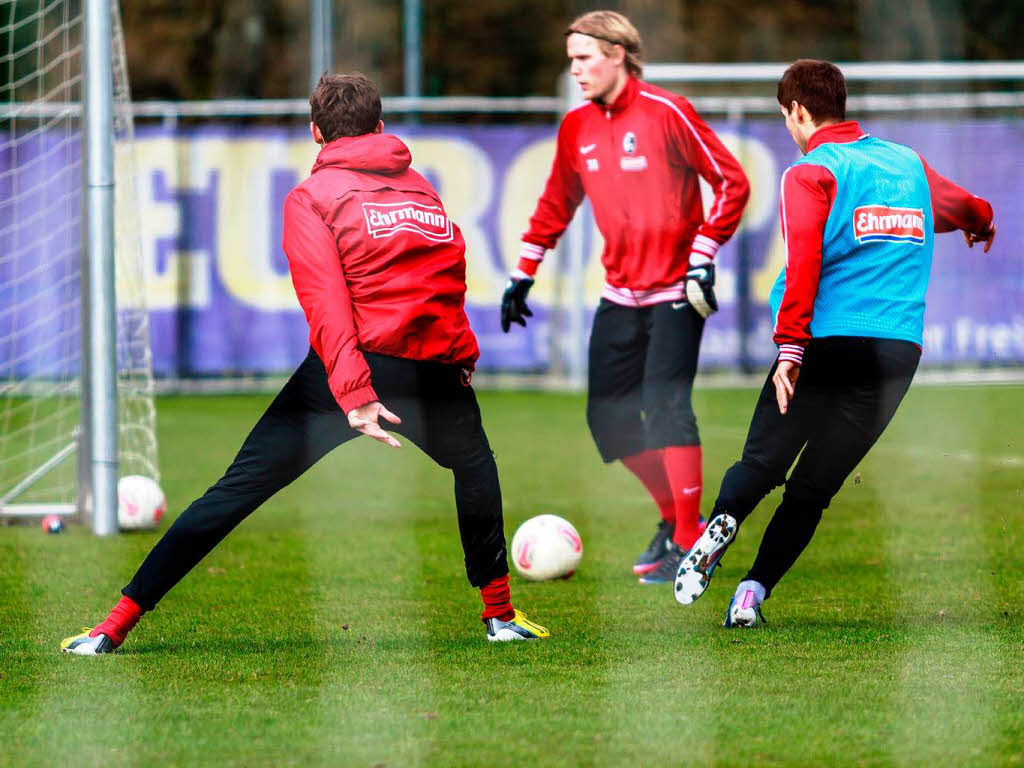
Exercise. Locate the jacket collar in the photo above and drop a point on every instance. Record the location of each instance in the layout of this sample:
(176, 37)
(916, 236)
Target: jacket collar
(836, 133)
(624, 99)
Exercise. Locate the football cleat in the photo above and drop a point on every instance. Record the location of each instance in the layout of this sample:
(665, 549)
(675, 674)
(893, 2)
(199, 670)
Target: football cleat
(518, 628)
(744, 611)
(700, 562)
(651, 557)
(666, 567)
(84, 645)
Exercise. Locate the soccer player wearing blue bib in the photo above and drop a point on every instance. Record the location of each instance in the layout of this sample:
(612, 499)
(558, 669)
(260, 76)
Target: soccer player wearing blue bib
(859, 216)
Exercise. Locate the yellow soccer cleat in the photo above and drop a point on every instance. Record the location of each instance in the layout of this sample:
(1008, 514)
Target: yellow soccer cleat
(84, 645)
(518, 628)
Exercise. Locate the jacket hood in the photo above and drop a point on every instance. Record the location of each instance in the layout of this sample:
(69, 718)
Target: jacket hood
(371, 153)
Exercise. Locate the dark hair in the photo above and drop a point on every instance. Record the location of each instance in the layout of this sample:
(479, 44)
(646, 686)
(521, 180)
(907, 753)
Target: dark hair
(817, 85)
(344, 105)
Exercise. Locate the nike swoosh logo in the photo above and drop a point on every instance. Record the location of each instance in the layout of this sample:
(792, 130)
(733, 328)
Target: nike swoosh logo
(691, 491)
(588, 149)
(678, 304)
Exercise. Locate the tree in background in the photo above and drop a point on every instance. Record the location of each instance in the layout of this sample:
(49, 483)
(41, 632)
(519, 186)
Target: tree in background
(190, 49)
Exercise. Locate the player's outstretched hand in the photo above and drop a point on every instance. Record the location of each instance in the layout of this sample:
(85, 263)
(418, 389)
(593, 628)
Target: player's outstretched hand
(986, 238)
(513, 302)
(365, 419)
(700, 288)
(784, 379)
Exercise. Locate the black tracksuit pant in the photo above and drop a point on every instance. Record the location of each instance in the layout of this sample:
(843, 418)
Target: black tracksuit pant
(848, 390)
(640, 383)
(304, 422)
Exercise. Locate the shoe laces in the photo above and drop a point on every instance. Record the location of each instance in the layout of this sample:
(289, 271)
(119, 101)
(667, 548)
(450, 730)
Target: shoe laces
(670, 561)
(662, 536)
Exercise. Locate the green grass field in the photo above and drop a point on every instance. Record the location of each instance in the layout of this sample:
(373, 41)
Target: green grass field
(335, 626)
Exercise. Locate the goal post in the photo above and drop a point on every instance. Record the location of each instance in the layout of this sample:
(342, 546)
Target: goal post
(75, 366)
(99, 353)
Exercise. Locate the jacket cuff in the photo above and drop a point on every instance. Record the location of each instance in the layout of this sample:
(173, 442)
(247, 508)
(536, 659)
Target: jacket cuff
(356, 398)
(704, 246)
(530, 257)
(793, 353)
(520, 274)
(526, 268)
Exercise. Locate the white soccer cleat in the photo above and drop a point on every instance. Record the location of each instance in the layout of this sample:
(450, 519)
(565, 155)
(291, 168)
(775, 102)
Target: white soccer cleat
(699, 563)
(83, 645)
(744, 611)
(517, 628)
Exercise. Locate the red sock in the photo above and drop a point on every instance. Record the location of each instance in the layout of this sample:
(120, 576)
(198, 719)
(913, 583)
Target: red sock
(649, 467)
(683, 467)
(121, 621)
(497, 600)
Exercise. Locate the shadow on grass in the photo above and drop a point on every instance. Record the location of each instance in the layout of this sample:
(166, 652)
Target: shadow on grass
(344, 642)
(899, 624)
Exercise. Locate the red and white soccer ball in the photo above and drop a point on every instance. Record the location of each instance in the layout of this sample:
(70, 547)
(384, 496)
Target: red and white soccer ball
(546, 547)
(53, 524)
(140, 503)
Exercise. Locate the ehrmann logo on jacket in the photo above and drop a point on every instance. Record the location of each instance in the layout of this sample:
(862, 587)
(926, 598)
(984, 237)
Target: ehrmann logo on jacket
(385, 219)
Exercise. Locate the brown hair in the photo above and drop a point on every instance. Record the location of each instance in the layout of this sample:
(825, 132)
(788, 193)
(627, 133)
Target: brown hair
(817, 85)
(344, 105)
(611, 29)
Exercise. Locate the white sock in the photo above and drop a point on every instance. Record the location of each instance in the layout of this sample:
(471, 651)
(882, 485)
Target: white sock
(754, 586)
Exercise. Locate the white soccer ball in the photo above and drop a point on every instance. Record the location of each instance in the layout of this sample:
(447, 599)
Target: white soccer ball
(140, 503)
(546, 547)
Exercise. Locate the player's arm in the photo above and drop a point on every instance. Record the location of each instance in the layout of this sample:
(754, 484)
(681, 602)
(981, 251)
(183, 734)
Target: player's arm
(701, 149)
(320, 285)
(953, 208)
(806, 196)
(562, 195)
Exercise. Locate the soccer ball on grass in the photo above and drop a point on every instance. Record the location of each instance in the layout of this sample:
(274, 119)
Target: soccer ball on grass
(140, 503)
(546, 547)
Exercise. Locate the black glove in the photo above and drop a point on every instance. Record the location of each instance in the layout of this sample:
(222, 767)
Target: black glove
(513, 302)
(700, 289)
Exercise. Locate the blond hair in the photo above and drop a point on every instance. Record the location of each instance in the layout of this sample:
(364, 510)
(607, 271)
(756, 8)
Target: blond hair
(611, 29)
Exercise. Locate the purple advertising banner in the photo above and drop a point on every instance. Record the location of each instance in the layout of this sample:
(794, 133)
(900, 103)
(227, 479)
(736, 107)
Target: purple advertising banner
(221, 302)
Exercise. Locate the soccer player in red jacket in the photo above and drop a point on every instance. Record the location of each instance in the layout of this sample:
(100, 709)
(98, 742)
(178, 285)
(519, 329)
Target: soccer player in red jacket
(638, 153)
(380, 272)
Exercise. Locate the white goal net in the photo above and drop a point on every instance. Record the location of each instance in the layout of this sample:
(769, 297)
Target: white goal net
(41, 269)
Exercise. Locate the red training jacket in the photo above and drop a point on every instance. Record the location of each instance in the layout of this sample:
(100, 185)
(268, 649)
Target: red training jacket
(805, 202)
(377, 264)
(638, 160)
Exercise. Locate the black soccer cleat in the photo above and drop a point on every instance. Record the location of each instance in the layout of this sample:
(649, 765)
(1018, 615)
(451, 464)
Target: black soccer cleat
(652, 556)
(667, 567)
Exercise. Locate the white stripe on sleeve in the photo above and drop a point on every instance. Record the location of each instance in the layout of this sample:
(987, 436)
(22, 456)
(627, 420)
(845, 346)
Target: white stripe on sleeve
(705, 245)
(531, 252)
(725, 182)
(794, 353)
(785, 243)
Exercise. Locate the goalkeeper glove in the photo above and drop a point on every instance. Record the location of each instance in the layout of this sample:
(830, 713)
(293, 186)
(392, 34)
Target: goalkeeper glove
(700, 288)
(513, 302)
